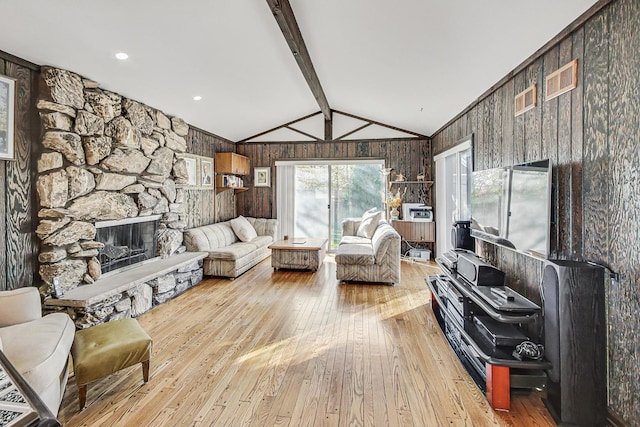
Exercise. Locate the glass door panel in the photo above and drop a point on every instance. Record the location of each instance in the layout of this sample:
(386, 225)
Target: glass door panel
(311, 201)
(324, 194)
(355, 188)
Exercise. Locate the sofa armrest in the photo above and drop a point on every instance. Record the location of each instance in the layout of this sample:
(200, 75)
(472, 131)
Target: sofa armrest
(19, 306)
(271, 228)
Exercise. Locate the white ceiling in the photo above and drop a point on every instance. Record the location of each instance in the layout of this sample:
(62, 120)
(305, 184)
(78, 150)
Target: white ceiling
(413, 64)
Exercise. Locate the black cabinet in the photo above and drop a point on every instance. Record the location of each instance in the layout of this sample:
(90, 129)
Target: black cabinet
(483, 326)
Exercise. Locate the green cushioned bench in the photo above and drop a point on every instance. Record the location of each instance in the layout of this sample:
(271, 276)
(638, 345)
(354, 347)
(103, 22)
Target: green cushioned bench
(107, 348)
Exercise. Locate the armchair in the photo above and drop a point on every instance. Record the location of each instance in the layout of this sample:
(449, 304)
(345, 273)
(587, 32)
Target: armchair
(38, 347)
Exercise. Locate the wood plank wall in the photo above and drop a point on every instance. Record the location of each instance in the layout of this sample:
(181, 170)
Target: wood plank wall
(591, 135)
(200, 207)
(18, 214)
(406, 156)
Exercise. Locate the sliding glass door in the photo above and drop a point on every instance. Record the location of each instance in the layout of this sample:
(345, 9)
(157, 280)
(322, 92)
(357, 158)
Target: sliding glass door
(313, 198)
(453, 175)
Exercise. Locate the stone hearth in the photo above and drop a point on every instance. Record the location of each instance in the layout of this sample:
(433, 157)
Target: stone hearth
(131, 292)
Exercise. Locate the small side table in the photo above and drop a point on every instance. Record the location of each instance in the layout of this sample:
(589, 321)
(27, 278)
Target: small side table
(300, 253)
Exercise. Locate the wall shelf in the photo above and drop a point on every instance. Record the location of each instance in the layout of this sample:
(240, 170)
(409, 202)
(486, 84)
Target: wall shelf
(428, 183)
(236, 190)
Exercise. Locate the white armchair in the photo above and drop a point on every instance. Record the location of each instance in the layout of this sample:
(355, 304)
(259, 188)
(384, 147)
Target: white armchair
(38, 347)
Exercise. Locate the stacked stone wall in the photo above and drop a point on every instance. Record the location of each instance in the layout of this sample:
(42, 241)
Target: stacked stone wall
(103, 157)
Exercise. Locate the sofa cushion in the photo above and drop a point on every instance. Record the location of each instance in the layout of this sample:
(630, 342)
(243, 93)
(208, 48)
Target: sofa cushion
(243, 229)
(348, 240)
(262, 241)
(355, 253)
(39, 349)
(368, 224)
(233, 252)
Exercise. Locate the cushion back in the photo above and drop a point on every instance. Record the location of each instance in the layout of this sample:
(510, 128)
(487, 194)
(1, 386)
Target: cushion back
(209, 237)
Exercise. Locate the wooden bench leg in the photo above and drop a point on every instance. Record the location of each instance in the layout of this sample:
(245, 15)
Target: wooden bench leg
(82, 395)
(498, 387)
(145, 370)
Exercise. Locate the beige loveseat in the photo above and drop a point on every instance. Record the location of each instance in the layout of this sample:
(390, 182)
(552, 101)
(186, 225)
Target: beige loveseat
(368, 259)
(38, 347)
(228, 255)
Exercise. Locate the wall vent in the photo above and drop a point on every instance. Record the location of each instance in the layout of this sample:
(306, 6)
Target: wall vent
(525, 100)
(562, 80)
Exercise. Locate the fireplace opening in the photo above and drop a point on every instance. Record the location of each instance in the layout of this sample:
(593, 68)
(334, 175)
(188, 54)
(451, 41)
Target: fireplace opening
(126, 242)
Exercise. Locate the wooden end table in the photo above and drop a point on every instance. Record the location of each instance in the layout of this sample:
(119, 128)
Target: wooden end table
(300, 253)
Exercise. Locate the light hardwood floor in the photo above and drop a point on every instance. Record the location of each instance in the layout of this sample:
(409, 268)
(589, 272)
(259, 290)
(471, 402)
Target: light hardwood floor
(289, 348)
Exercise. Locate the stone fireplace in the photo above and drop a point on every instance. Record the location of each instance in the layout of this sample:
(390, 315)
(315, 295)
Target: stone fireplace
(104, 158)
(109, 188)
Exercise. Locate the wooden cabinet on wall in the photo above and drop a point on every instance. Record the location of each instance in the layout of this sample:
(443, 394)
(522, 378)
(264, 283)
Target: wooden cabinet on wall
(232, 163)
(416, 231)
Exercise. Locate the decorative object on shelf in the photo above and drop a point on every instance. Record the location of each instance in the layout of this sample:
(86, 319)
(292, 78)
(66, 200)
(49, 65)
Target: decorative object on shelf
(206, 169)
(394, 201)
(399, 177)
(420, 177)
(7, 106)
(262, 177)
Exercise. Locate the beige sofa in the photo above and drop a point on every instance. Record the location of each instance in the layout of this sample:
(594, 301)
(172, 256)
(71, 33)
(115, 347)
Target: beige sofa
(363, 259)
(228, 255)
(38, 347)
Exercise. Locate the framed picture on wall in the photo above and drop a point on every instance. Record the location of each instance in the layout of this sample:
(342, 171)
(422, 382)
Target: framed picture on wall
(7, 120)
(206, 172)
(262, 177)
(192, 171)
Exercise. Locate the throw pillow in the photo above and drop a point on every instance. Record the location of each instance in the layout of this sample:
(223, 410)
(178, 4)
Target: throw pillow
(368, 224)
(243, 229)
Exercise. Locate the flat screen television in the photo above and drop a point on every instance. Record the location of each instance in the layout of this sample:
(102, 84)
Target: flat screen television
(511, 206)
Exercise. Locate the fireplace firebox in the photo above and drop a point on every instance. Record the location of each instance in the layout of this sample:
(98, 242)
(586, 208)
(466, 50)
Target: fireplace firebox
(126, 242)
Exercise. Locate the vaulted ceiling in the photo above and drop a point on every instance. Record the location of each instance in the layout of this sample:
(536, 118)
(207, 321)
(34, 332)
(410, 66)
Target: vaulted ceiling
(412, 64)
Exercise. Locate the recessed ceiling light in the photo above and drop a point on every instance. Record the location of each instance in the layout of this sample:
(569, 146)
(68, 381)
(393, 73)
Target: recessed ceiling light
(122, 56)
(197, 98)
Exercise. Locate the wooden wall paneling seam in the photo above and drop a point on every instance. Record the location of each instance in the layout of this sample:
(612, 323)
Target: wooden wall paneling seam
(508, 110)
(518, 139)
(479, 155)
(497, 136)
(489, 124)
(3, 212)
(550, 144)
(563, 225)
(533, 120)
(577, 141)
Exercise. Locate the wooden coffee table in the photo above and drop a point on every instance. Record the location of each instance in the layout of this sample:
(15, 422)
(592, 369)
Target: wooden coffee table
(301, 253)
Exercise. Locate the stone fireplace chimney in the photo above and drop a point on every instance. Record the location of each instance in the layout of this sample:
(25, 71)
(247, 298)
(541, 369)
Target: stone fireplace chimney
(104, 158)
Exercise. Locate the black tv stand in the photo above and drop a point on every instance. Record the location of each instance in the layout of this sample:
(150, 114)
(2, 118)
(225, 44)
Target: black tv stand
(460, 307)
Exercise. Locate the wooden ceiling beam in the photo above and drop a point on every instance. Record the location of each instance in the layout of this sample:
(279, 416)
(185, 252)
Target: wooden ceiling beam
(288, 24)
